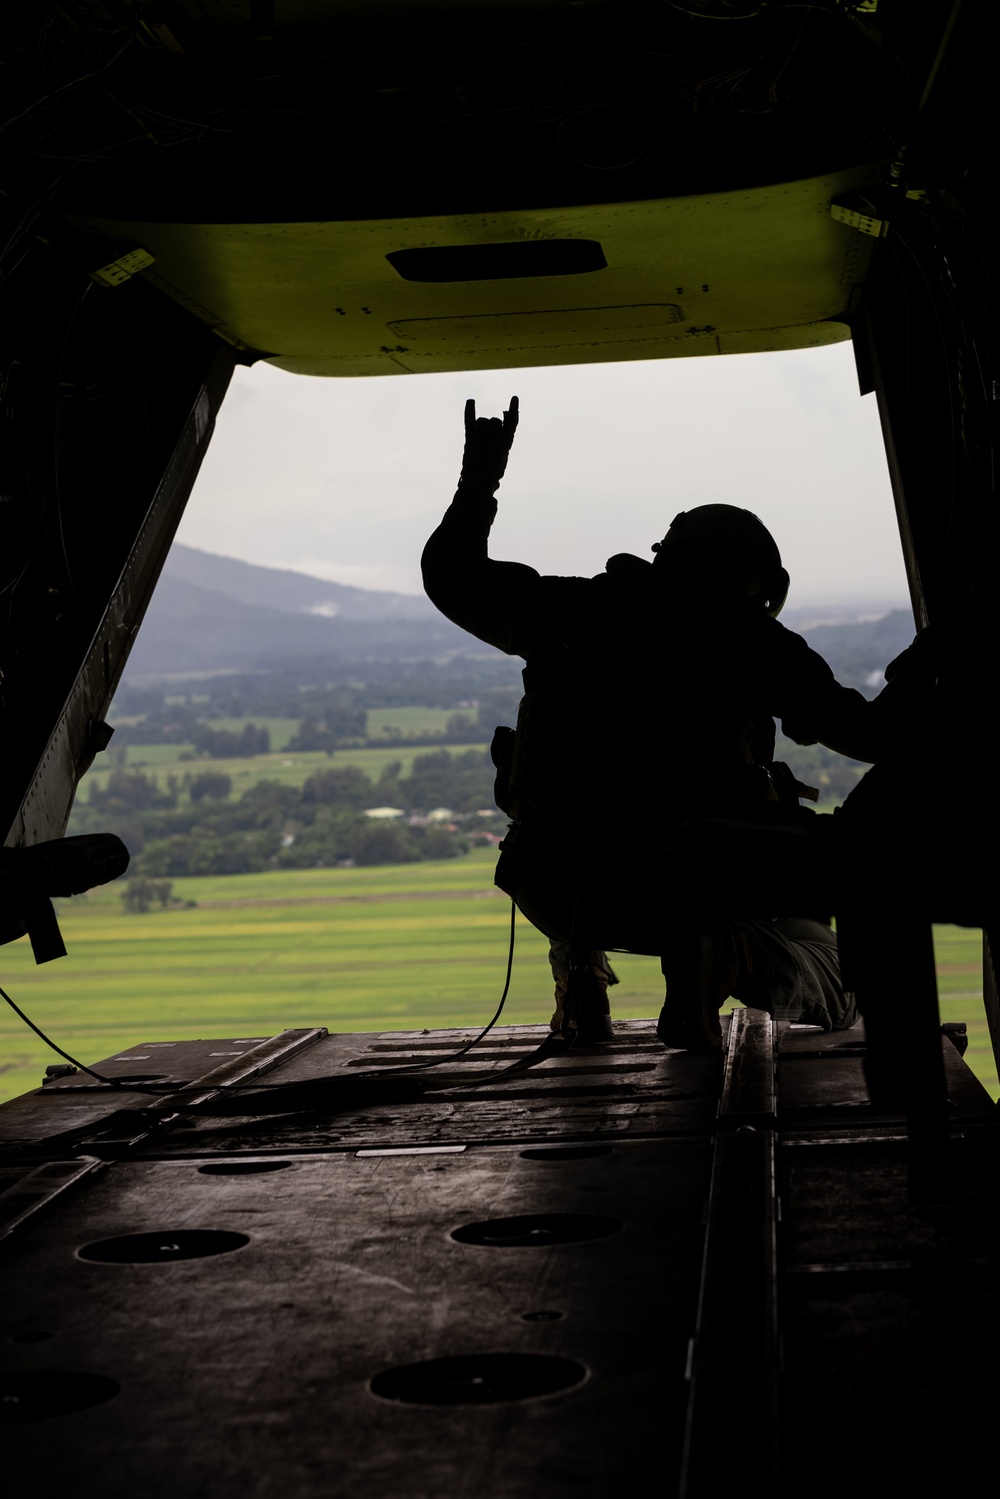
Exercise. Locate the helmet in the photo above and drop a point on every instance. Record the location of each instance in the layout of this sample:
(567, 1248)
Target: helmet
(723, 547)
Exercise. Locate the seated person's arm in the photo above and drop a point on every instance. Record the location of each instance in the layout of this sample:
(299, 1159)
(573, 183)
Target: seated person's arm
(907, 704)
(815, 708)
(842, 719)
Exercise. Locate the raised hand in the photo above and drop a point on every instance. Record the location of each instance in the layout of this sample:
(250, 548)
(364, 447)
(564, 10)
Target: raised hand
(487, 444)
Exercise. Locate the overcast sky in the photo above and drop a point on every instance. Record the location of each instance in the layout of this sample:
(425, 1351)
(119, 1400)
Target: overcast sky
(345, 479)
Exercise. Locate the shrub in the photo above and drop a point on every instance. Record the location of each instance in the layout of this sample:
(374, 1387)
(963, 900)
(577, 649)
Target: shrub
(380, 842)
(212, 784)
(349, 787)
(140, 893)
(228, 744)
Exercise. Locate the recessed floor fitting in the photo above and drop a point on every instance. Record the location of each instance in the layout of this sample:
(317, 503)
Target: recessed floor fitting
(537, 1230)
(478, 1379)
(242, 1168)
(36, 1394)
(163, 1247)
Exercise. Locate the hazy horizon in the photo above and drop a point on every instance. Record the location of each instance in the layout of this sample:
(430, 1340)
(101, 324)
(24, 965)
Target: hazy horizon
(818, 611)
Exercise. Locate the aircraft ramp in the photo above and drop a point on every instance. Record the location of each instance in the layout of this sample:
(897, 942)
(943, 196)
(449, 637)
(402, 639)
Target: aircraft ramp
(619, 1269)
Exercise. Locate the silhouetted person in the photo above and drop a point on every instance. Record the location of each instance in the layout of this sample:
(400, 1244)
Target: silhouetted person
(690, 649)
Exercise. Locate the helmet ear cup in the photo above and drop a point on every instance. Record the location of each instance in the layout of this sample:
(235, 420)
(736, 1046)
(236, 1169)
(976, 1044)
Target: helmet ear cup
(776, 589)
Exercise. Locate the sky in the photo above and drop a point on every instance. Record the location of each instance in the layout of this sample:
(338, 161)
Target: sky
(346, 478)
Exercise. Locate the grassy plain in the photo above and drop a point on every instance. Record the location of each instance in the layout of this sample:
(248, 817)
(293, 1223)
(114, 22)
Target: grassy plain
(291, 768)
(415, 720)
(280, 729)
(383, 948)
(404, 723)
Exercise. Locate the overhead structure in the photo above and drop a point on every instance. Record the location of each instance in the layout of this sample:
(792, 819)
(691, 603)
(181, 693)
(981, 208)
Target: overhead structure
(398, 186)
(750, 271)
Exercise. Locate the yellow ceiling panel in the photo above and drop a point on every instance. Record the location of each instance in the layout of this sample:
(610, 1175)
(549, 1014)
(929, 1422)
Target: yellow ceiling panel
(766, 268)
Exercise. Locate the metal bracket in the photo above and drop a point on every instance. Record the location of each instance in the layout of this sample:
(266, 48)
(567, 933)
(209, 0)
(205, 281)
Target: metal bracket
(124, 268)
(864, 223)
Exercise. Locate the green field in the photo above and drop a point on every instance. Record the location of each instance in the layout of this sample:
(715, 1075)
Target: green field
(280, 729)
(383, 948)
(290, 769)
(408, 721)
(404, 723)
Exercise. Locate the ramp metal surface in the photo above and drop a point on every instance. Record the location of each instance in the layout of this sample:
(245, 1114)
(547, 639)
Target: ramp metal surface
(618, 1268)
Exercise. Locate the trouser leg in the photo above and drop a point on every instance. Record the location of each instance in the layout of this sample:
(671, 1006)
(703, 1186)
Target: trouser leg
(795, 973)
(559, 961)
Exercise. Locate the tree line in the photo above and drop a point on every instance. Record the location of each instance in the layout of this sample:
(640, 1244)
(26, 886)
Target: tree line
(329, 718)
(291, 694)
(190, 825)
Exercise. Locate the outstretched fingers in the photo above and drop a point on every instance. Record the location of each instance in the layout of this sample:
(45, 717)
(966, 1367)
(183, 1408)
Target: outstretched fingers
(510, 419)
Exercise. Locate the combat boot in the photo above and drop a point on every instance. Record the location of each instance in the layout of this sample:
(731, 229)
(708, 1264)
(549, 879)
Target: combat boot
(582, 1005)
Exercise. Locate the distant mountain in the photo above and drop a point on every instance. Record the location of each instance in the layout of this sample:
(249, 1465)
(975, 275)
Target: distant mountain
(291, 592)
(233, 620)
(212, 613)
